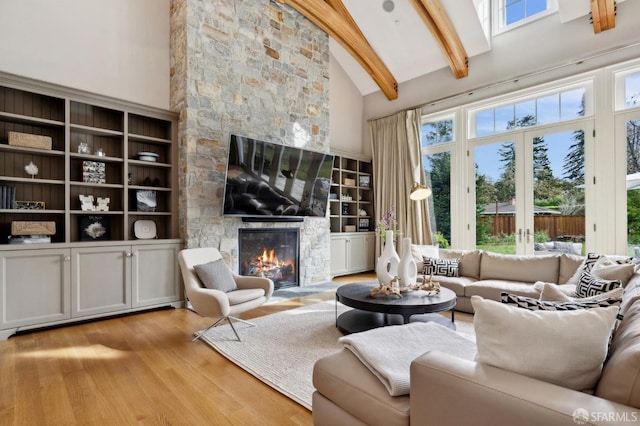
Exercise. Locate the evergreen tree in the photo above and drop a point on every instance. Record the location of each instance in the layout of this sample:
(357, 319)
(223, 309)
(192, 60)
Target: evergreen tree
(506, 185)
(573, 165)
(440, 176)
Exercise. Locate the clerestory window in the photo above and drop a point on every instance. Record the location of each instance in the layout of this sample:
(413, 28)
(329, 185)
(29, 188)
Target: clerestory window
(508, 14)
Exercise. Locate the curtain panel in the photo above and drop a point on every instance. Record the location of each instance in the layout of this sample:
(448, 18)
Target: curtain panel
(397, 164)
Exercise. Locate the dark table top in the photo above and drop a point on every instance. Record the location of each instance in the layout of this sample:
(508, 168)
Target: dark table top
(358, 296)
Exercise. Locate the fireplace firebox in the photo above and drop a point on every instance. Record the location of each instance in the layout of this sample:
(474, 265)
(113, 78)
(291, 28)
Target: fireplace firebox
(272, 253)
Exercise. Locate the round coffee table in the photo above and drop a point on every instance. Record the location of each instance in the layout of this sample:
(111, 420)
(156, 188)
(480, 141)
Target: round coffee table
(380, 310)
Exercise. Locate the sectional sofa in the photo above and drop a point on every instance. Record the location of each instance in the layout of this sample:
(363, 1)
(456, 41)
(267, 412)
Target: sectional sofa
(486, 274)
(448, 390)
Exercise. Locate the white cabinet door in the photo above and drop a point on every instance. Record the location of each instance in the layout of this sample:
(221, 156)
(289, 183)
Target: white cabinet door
(155, 274)
(339, 254)
(34, 287)
(357, 253)
(100, 280)
(370, 247)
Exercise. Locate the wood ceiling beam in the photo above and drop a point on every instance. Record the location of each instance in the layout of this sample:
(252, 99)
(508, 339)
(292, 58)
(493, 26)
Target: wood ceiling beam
(334, 19)
(603, 15)
(436, 19)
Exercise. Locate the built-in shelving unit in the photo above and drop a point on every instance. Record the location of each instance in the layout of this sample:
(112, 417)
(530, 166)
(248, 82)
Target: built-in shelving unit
(351, 197)
(120, 131)
(351, 215)
(74, 277)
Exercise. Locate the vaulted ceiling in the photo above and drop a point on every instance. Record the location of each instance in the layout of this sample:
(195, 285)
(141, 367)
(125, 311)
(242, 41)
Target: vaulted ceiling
(380, 43)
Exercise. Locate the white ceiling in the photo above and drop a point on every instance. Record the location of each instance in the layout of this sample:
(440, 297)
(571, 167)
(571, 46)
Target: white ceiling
(407, 48)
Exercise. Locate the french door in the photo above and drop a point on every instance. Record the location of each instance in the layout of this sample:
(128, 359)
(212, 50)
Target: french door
(530, 189)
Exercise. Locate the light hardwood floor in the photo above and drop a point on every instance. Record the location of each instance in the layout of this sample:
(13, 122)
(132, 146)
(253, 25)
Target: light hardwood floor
(139, 369)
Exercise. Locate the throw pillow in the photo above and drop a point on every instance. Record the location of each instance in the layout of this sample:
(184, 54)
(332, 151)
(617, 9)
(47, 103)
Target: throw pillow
(588, 264)
(590, 285)
(445, 267)
(545, 305)
(566, 348)
(608, 269)
(552, 293)
(216, 275)
(418, 251)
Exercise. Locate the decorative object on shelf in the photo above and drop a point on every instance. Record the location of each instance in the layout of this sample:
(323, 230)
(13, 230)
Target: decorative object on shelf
(7, 196)
(129, 178)
(364, 181)
(427, 284)
(363, 224)
(407, 268)
(146, 200)
(148, 156)
(31, 169)
(333, 196)
(95, 228)
(392, 289)
(83, 148)
(349, 182)
(29, 205)
(419, 191)
(362, 212)
(144, 229)
(387, 265)
(103, 204)
(345, 209)
(86, 203)
(346, 197)
(349, 228)
(94, 172)
(33, 227)
(30, 141)
(100, 153)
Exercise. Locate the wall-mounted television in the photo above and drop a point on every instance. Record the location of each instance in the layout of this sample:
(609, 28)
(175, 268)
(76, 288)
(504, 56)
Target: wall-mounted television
(269, 180)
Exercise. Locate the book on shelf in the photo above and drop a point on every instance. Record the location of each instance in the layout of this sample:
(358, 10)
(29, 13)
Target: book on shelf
(7, 196)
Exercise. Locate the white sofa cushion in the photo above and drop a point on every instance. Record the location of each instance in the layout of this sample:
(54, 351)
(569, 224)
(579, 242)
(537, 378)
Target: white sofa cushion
(566, 348)
(527, 269)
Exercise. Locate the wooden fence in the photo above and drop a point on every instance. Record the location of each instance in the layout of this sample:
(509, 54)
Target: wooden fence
(555, 226)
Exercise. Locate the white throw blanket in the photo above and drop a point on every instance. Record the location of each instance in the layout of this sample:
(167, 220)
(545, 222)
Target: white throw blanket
(388, 351)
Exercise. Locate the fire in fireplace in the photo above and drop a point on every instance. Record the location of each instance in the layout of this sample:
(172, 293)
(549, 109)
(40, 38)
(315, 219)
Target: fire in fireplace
(271, 253)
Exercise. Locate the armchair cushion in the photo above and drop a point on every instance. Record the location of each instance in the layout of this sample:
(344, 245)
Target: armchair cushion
(567, 348)
(216, 275)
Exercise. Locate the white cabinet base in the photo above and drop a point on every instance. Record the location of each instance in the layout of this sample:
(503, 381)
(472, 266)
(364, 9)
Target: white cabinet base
(352, 252)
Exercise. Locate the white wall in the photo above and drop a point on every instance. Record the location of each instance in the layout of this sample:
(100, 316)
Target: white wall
(117, 48)
(345, 112)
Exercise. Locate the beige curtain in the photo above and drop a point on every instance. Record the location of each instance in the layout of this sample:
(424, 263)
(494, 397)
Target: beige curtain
(397, 164)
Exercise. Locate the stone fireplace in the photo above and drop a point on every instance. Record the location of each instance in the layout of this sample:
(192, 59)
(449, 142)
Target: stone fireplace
(253, 68)
(272, 253)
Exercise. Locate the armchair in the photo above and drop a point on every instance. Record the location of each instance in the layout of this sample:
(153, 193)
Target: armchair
(251, 292)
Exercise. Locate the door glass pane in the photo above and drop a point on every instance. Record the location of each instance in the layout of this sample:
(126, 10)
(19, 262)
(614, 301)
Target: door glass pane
(495, 197)
(437, 169)
(558, 193)
(633, 185)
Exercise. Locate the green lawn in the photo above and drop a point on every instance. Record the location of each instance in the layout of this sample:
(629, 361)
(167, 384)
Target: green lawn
(500, 248)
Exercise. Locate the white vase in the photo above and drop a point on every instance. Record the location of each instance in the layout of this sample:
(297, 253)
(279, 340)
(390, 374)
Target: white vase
(387, 265)
(407, 268)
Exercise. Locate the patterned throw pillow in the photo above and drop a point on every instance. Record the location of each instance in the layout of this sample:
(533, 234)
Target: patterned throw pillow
(543, 305)
(444, 267)
(590, 285)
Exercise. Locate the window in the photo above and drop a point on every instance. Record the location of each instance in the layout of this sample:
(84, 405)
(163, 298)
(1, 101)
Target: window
(512, 13)
(438, 136)
(545, 109)
(627, 89)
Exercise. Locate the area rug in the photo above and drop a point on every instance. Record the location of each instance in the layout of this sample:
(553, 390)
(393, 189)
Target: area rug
(291, 292)
(282, 348)
(293, 339)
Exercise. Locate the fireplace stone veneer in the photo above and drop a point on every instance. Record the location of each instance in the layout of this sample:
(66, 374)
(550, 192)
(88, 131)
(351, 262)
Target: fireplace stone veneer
(272, 253)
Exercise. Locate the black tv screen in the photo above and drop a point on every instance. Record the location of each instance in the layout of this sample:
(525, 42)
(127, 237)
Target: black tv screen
(268, 179)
